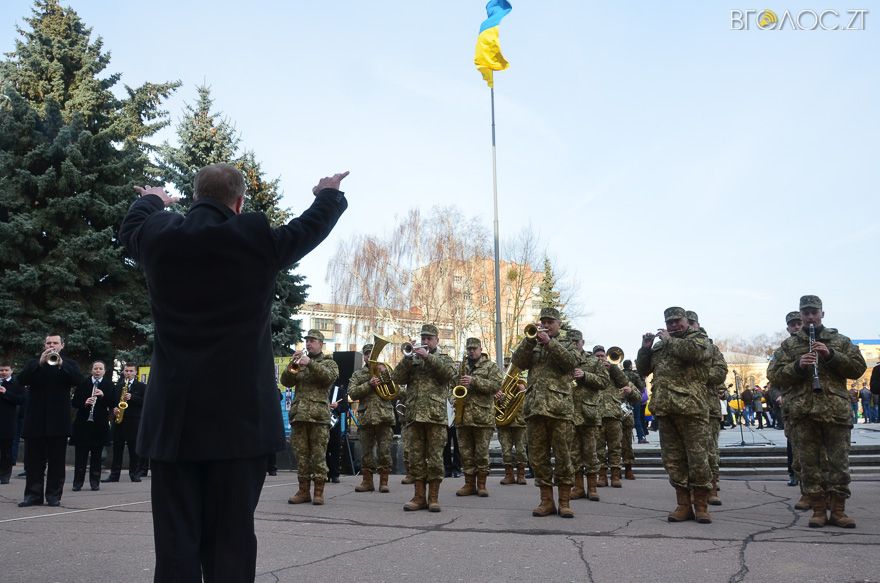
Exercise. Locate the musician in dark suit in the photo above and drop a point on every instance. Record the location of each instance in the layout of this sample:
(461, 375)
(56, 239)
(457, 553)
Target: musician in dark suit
(49, 379)
(208, 425)
(125, 433)
(93, 400)
(11, 396)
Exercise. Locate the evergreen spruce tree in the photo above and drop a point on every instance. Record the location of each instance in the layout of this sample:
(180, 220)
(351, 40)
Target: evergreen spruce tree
(70, 152)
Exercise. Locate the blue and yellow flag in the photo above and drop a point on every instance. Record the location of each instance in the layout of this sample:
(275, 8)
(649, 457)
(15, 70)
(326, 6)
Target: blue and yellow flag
(488, 56)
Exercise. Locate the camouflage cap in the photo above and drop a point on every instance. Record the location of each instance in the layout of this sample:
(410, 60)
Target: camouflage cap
(674, 313)
(692, 316)
(598, 348)
(428, 330)
(549, 313)
(316, 334)
(574, 335)
(473, 343)
(367, 348)
(792, 316)
(810, 302)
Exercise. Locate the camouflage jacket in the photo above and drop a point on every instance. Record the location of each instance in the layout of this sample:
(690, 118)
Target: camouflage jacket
(427, 386)
(832, 404)
(312, 384)
(550, 378)
(610, 401)
(479, 404)
(680, 367)
(586, 391)
(635, 379)
(371, 410)
(715, 383)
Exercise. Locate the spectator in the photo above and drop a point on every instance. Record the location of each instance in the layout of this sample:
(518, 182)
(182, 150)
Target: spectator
(746, 396)
(854, 402)
(867, 408)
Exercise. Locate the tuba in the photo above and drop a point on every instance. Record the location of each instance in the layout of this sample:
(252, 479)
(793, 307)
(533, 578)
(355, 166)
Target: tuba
(511, 402)
(386, 389)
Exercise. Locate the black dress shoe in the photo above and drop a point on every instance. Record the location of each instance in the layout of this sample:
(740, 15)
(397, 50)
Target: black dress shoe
(96, 487)
(272, 472)
(4, 481)
(135, 478)
(110, 479)
(334, 480)
(76, 488)
(53, 502)
(30, 502)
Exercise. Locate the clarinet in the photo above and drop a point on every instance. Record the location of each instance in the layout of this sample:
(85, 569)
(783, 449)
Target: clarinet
(816, 387)
(91, 418)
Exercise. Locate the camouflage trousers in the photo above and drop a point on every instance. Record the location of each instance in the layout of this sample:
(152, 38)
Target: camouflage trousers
(376, 437)
(425, 443)
(712, 445)
(309, 441)
(550, 440)
(608, 440)
(404, 439)
(823, 452)
(513, 438)
(583, 448)
(627, 424)
(683, 448)
(473, 447)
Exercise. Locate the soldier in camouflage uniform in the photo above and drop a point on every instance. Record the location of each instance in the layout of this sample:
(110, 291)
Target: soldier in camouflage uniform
(376, 420)
(310, 415)
(822, 417)
(548, 410)
(589, 378)
(513, 436)
(714, 386)
(426, 374)
(680, 365)
(610, 436)
(482, 380)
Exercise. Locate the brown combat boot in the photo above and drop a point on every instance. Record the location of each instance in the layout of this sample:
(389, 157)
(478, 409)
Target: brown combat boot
(318, 497)
(418, 501)
(819, 504)
(628, 472)
(508, 476)
(713, 499)
(838, 516)
(615, 478)
(603, 477)
(366, 484)
(803, 503)
(521, 474)
(302, 495)
(433, 494)
(469, 488)
(701, 506)
(383, 481)
(407, 479)
(578, 491)
(482, 492)
(546, 507)
(592, 492)
(564, 498)
(683, 511)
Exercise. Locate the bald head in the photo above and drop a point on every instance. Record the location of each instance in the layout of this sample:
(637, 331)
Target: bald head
(221, 182)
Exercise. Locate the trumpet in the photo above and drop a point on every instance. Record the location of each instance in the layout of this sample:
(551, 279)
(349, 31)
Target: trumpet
(54, 359)
(408, 348)
(531, 330)
(294, 366)
(615, 355)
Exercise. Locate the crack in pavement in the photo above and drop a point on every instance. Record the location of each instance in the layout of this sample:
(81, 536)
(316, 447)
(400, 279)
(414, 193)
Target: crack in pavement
(580, 547)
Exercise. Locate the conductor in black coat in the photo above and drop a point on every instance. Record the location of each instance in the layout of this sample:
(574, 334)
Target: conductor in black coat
(210, 414)
(125, 433)
(49, 379)
(11, 395)
(93, 400)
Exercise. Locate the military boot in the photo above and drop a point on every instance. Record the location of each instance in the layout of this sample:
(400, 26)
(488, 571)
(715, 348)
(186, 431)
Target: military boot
(546, 507)
(714, 500)
(383, 481)
(819, 504)
(366, 484)
(603, 477)
(564, 498)
(508, 476)
(318, 497)
(701, 508)
(628, 472)
(578, 490)
(482, 492)
(433, 495)
(469, 488)
(302, 495)
(683, 511)
(521, 474)
(407, 479)
(592, 492)
(838, 516)
(418, 501)
(615, 478)
(803, 503)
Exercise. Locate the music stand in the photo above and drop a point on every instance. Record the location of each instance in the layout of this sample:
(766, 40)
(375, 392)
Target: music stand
(347, 416)
(742, 414)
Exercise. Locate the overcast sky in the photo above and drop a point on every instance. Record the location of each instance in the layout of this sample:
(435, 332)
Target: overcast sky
(663, 158)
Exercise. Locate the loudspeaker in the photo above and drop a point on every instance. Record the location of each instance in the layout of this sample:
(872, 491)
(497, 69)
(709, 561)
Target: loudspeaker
(348, 362)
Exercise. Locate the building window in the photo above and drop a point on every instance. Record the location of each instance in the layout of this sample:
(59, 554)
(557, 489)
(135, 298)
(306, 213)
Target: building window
(337, 328)
(324, 324)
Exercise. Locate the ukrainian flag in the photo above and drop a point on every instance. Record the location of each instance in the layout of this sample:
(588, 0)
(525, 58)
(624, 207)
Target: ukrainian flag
(488, 56)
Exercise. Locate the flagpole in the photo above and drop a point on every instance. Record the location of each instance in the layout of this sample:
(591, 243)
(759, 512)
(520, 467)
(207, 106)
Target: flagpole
(499, 355)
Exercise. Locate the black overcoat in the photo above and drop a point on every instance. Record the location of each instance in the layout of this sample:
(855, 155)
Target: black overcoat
(9, 402)
(96, 432)
(132, 416)
(47, 413)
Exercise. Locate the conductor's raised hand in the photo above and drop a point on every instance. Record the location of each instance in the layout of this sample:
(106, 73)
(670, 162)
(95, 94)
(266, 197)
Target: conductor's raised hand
(329, 182)
(167, 199)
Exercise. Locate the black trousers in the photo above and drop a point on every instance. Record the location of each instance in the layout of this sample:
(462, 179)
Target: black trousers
(87, 455)
(41, 453)
(5, 459)
(203, 519)
(451, 455)
(119, 445)
(333, 447)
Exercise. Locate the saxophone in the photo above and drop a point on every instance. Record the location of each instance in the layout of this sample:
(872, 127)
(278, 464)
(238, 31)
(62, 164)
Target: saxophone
(122, 405)
(459, 392)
